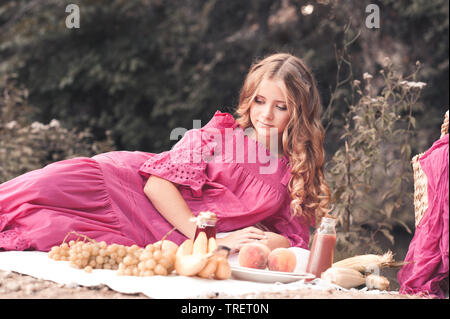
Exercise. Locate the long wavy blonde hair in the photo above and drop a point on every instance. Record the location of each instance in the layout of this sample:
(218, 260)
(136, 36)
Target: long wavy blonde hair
(303, 138)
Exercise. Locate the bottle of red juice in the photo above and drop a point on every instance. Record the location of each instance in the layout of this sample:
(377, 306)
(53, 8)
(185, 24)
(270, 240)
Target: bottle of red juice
(322, 249)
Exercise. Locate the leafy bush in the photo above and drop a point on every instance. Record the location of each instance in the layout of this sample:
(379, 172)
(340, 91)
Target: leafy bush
(370, 174)
(140, 68)
(26, 146)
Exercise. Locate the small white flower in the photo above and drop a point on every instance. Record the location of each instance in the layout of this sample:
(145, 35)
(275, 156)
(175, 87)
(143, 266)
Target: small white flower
(54, 123)
(307, 10)
(37, 126)
(412, 84)
(11, 125)
(417, 84)
(367, 76)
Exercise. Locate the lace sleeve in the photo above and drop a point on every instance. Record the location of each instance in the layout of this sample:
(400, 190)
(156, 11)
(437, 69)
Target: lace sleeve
(185, 164)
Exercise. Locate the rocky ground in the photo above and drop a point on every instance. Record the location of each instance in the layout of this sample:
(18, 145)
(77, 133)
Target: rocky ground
(17, 286)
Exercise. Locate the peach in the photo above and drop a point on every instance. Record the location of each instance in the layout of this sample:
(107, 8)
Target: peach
(282, 259)
(254, 255)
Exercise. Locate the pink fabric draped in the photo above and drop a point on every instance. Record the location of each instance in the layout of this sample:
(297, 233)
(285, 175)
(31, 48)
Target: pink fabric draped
(428, 250)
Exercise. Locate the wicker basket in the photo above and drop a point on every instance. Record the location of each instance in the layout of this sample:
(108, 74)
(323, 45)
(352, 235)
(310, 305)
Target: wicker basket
(420, 180)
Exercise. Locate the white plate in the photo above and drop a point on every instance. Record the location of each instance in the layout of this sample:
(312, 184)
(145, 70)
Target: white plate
(268, 276)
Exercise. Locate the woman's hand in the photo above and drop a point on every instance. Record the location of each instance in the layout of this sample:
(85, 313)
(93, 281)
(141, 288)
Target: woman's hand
(238, 238)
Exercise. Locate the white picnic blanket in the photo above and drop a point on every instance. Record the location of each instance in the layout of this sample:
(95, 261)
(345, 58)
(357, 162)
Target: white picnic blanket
(39, 265)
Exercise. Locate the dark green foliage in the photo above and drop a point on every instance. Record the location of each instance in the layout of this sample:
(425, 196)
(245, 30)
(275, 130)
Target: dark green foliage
(141, 68)
(135, 70)
(26, 145)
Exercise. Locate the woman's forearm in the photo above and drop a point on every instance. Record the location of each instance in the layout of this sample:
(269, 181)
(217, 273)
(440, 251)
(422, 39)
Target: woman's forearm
(167, 199)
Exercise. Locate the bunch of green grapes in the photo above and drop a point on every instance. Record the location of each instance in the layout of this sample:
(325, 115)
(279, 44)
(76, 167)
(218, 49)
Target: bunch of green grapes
(89, 255)
(60, 252)
(149, 261)
(154, 259)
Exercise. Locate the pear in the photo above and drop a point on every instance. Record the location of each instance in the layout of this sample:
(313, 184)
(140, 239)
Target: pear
(190, 265)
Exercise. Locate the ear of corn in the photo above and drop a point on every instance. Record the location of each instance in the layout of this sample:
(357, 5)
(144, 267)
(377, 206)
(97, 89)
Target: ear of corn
(377, 282)
(366, 263)
(344, 277)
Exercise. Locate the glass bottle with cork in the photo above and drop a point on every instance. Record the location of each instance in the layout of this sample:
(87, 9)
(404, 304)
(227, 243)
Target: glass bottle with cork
(206, 222)
(322, 249)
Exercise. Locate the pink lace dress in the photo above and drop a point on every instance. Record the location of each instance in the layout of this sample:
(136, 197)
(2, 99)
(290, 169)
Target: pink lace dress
(102, 197)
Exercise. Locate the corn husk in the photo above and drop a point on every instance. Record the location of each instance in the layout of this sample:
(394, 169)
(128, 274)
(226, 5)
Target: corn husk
(377, 282)
(368, 263)
(345, 277)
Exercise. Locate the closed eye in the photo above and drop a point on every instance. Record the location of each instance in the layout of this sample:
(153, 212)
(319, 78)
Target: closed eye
(258, 101)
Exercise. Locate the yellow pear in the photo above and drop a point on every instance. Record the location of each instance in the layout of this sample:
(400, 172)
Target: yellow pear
(212, 245)
(185, 248)
(190, 265)
(209, 270)
(200, 244)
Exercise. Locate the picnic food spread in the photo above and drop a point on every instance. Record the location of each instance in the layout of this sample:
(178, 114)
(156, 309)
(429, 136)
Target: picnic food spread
(200, 257)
